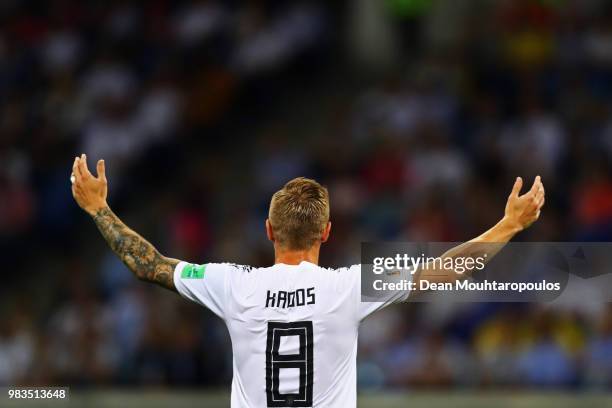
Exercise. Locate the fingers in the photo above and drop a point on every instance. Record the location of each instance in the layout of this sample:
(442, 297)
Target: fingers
(539, 193)
(536, 192)
(541, 198)
(516, 189)
(76, 187)
(101, 169)
(82, 165)
(76, 169)
(537, 185)
(80, 171)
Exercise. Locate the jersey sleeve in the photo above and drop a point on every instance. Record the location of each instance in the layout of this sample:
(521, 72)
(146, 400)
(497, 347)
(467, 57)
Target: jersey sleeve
(366, 305)
(205, 284)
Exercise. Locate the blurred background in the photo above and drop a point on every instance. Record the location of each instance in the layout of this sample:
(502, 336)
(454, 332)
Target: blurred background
(416, 114)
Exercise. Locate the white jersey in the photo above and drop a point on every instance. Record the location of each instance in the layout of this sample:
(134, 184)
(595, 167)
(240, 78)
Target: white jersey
(293, 329)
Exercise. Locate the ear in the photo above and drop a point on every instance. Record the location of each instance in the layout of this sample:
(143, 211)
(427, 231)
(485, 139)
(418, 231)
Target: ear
(326, 231)
(269, 231)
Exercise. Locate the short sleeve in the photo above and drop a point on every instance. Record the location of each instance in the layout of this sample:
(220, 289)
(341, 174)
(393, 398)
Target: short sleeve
(366, 305)
(205, 284)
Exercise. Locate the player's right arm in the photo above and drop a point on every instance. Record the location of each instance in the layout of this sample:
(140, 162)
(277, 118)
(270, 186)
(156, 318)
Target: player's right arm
(140, 256)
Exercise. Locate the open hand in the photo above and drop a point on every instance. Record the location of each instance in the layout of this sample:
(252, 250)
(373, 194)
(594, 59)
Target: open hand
(89, 192)
(524, 210)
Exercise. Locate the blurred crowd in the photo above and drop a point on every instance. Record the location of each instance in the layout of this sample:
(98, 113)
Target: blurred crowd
(416, 114)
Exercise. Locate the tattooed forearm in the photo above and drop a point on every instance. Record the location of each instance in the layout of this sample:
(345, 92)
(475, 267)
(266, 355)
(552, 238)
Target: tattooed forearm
(136, 252)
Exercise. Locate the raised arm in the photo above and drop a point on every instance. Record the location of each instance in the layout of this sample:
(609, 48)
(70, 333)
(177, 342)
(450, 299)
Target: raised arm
(134, 251)
(521, 211)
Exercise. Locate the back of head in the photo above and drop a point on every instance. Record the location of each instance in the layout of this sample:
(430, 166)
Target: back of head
(299, 213)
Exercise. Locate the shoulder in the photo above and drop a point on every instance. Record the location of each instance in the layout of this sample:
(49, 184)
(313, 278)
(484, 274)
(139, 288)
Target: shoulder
(239, 274)
(229, 267)
(238, 268)
(348, 270)
(339, 272)
(212, 271)
(341, 278)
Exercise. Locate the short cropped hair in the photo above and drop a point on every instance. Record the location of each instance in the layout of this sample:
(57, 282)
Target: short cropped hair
(299, 213)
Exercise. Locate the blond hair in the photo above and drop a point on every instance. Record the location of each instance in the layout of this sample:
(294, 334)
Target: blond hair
(299, 213)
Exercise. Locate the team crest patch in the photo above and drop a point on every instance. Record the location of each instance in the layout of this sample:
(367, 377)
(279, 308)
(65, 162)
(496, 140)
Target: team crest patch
(191, 271)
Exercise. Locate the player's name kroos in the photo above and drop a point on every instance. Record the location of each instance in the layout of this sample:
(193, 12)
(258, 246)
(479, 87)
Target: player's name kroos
(485, 285)
(285, 299)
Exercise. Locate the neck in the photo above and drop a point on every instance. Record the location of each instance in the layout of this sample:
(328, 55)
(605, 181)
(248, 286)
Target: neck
(293, 257)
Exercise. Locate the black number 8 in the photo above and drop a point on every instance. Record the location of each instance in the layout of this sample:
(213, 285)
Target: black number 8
(276, 361)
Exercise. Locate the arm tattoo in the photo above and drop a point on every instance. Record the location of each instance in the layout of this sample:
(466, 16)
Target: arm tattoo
(134, 251)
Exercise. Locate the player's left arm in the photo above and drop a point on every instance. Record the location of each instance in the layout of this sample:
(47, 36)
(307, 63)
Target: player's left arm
(140, 256)
(521, 211)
